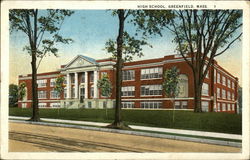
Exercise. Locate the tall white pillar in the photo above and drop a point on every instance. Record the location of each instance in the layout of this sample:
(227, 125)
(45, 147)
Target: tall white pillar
(95, 84)
(68, 85)
(86, 84)
(76, 85)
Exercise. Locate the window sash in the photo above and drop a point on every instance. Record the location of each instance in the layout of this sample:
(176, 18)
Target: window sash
(151, 105)
(151, 90)
(151, 73)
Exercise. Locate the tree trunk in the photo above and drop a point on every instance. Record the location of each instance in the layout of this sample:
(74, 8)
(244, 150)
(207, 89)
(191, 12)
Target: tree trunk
(197, 93)
(119, 41)
(35, 117)
(33, 42)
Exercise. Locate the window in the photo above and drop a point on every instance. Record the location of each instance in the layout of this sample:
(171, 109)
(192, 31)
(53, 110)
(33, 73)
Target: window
(114, 104)
(42, 105)
(42, 94)
(89, 105)
(42, 83)
(183, 85)
(232, 96)
(218, 77)
(104, 73)
(128, 75)
(218, 107)
(151, 73)
(180, 104)
(223, 94)
(128, 91)
(151, 105)
(205, 89)
(65, 81)
(232, 85)
(223, 106)
(223, 80)
(54, 94)
(73, 92)
(233, 105)
(24, 105)
(204, 106)
(204, 68)
(218, 92)
(228, 95)
(65, 92)
(73, 79)
(91, 77)
(228, 83)
(83, 78)
(128, 104)
(52, 82)
(214, 76)
(92, 91)
(229, 107)
(104, 104)
(151, 90)
(55, 105)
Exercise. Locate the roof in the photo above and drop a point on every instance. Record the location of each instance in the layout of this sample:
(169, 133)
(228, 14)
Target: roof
(92, 60)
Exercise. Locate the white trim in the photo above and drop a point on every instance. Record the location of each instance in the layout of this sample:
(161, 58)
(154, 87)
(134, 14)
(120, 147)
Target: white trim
(39, 77)
(226, 101)
(176, 60)
(221, 71)
(152, 79)
(144, 65)
(41, 100)
(72, 61)
(156, 99)
(106, 63)
(76, 85)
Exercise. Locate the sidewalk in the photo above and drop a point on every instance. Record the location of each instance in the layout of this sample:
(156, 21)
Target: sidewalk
(156, 129)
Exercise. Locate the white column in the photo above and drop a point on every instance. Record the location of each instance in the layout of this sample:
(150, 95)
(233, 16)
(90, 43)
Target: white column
(95, 84)
(86, 84)
(68, 85)
(76, 85)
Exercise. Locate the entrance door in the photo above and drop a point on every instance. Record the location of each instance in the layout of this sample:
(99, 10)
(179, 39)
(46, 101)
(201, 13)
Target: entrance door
(82, 94)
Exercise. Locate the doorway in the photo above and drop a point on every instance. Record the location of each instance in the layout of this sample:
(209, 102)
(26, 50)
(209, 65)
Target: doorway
(82, 94)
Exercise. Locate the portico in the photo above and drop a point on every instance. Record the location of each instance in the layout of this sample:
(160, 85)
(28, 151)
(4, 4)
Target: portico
(81, 76)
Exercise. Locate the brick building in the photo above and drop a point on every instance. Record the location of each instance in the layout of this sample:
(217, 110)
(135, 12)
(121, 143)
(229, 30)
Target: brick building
(141, 86)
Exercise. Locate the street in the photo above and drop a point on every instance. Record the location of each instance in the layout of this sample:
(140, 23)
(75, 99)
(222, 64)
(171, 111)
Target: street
(39, 138)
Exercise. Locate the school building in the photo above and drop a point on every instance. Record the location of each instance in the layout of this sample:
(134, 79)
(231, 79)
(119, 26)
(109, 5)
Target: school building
(141, 86)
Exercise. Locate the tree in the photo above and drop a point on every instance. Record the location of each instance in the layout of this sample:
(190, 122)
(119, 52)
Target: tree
(105, 86)
(41, 27)
(150, 22)
(21, 90)
(201, 35)
(13, 95)
(59, 84)
(170, 85)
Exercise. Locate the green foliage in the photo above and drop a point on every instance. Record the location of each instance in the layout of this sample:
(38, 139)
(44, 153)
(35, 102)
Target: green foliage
(59, 85)
(105, 85)
(206, 31)
(48, 23)
(170, 83)
(13, 95)
(21, 90)
(146, 22)
(210, 121)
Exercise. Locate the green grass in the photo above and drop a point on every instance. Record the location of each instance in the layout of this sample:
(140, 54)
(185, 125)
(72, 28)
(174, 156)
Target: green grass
(214, 122)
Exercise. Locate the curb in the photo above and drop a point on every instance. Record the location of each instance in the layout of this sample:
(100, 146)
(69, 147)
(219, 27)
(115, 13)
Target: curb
(137, 133)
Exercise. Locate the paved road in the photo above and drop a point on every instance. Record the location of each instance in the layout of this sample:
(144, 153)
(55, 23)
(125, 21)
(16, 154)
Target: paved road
(38, 138)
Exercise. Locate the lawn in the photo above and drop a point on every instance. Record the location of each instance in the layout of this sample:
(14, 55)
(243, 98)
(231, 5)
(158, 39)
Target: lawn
(214, 122)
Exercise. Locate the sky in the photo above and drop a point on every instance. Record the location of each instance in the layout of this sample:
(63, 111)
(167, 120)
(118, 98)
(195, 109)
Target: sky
(90, 29)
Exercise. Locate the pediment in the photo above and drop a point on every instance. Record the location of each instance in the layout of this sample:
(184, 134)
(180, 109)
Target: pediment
(80, 61)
